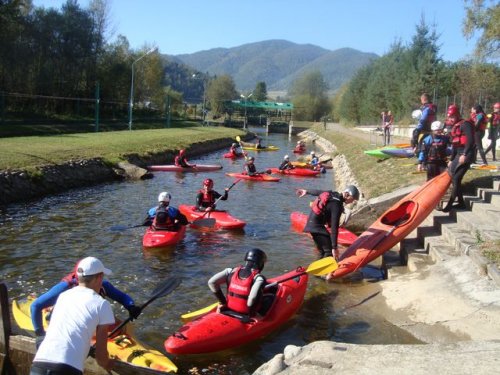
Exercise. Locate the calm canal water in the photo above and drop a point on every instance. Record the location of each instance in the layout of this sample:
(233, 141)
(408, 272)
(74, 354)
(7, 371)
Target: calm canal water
(41, 241)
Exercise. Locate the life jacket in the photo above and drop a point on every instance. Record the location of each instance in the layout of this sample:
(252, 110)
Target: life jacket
(320, 203)
(431, 117)
(163, 220)
(207, 197)
(495, 119)
(238, 291)
(437, 150)
(251, 167)
(458, 137)
(482, 121)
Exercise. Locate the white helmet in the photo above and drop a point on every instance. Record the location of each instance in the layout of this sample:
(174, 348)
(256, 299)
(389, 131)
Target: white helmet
(312, 153)
(437, 125)
(286, 157)
(164, 197)
(298, 142)
(416, 114)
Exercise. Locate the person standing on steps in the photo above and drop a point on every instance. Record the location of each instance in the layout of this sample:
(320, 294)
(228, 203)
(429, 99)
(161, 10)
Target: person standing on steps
(463, 151)
(479, 119)
(433, 155)
(493, 130)
(424, 123)
(326, 210)
(79, 314)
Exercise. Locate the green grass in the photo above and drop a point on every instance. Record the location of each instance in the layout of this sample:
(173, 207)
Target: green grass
(491, 251)
(34, 151)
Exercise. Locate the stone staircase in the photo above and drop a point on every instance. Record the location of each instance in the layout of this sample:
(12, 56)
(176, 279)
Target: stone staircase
(446, 236)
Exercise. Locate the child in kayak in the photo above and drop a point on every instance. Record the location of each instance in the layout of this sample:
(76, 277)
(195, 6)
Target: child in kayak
(250, 168)
(205, 199)
(245, 285)
(181, 161)
(165, 217)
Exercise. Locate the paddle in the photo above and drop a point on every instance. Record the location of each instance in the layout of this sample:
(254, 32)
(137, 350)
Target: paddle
(320, 267)
(195, 221)
(209, 222)
(238, 139)
(161, 290)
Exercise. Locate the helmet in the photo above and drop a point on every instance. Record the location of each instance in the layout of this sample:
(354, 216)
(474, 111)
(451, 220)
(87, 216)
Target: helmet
(286, 157)
(312, 153)
(164, 197)
(234, 145)
(298, 142)
(416, 114)
(251, 158)
(497, 105)
(182, 152)
(437, 125)
(353, 191)
(208, 183)
(257, 257)
(453, 110)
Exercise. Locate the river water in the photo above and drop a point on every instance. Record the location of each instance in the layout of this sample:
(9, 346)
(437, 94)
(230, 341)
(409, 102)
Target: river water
(42, 240)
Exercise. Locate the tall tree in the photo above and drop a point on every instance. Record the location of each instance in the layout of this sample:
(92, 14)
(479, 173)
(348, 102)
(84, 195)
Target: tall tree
(260, 92)
(309, 97)
(219, 90)
(485, 20)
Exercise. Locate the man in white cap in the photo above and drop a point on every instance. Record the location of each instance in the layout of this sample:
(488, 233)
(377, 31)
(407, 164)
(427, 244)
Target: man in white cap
(78, 315)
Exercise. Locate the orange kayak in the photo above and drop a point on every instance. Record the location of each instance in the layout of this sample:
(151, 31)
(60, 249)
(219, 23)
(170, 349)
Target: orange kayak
(394, 225)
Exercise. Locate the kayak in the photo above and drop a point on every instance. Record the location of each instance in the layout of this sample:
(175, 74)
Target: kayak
(301, 164)
(230, 155)
(399, 152)
(302, 172)
(217, 330)
(299, 150)
(260, 177)
(175, 168)
(155, 239)
(267, 148)
(377, 153)
(393, 226)
(299, 220)
(123, 347)
(223, 220)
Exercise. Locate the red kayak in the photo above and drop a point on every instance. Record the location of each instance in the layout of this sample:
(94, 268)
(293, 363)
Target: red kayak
(217, 330)
(299, 220)
(222, 218)
(299, 150)
(394, 225)
(155, 239)
(260, 177)
(230, 155)
(175, 168)
(302, 172)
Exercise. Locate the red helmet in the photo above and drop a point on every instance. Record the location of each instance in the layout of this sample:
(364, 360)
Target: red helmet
(182, 152)
(453, 110)
(209, 183)
(497, 105)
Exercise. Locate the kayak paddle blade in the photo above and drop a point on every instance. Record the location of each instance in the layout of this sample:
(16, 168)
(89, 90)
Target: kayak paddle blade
(193, 315)
(208, 222)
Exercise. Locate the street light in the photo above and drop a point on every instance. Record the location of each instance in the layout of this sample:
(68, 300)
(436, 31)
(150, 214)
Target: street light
(131, 103)
(195, 76)
(246, 99)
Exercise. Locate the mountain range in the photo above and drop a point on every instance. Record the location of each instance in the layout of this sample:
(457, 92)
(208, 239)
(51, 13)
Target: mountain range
(278, 63)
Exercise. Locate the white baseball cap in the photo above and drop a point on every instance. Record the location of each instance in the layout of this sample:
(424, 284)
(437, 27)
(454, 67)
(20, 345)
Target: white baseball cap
(91, 266)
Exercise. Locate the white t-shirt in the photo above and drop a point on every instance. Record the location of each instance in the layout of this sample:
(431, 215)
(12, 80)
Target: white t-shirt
(73, 323)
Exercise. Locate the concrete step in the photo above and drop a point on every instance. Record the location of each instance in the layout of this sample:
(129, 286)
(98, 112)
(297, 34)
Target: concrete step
(440, 250)
(482, 228)
(418, 262)
(486, 210)
(456, 236)
(496, 184)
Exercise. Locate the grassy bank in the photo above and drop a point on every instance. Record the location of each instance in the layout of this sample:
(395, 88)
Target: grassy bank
(31, 152)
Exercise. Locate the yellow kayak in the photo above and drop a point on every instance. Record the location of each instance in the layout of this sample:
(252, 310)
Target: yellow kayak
(267, 148)
(123, 347)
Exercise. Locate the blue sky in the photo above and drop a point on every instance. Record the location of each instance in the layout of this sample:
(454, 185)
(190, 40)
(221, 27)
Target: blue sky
(187, 26)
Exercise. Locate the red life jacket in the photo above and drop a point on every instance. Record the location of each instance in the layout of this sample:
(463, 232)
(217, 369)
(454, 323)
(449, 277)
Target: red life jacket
(437, 150)
(207, 197)
(163, 220)
(238, 291)
(482, 122)
(495, 119)
(319, 204)
(458, 137)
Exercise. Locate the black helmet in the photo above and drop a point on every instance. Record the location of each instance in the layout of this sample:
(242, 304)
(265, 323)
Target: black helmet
(353, 191)
(257, 257)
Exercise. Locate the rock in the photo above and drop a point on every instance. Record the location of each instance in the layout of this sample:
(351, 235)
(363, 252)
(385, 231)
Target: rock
(133, 172)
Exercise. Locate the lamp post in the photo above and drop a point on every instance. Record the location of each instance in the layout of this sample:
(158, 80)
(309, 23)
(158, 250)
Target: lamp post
(246, 99)
(131, 103)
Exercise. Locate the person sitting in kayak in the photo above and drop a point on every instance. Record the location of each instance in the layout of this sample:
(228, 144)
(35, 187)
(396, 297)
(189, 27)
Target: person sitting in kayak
(245, 286)
(258, 144)
(250, 168)
(69, 281)
(314, 160)
(301, 147)
(235, 150)
(206, 197)
(433, 154)
(165, 217)
(181, 161)
(326, 210)
(285, 164)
